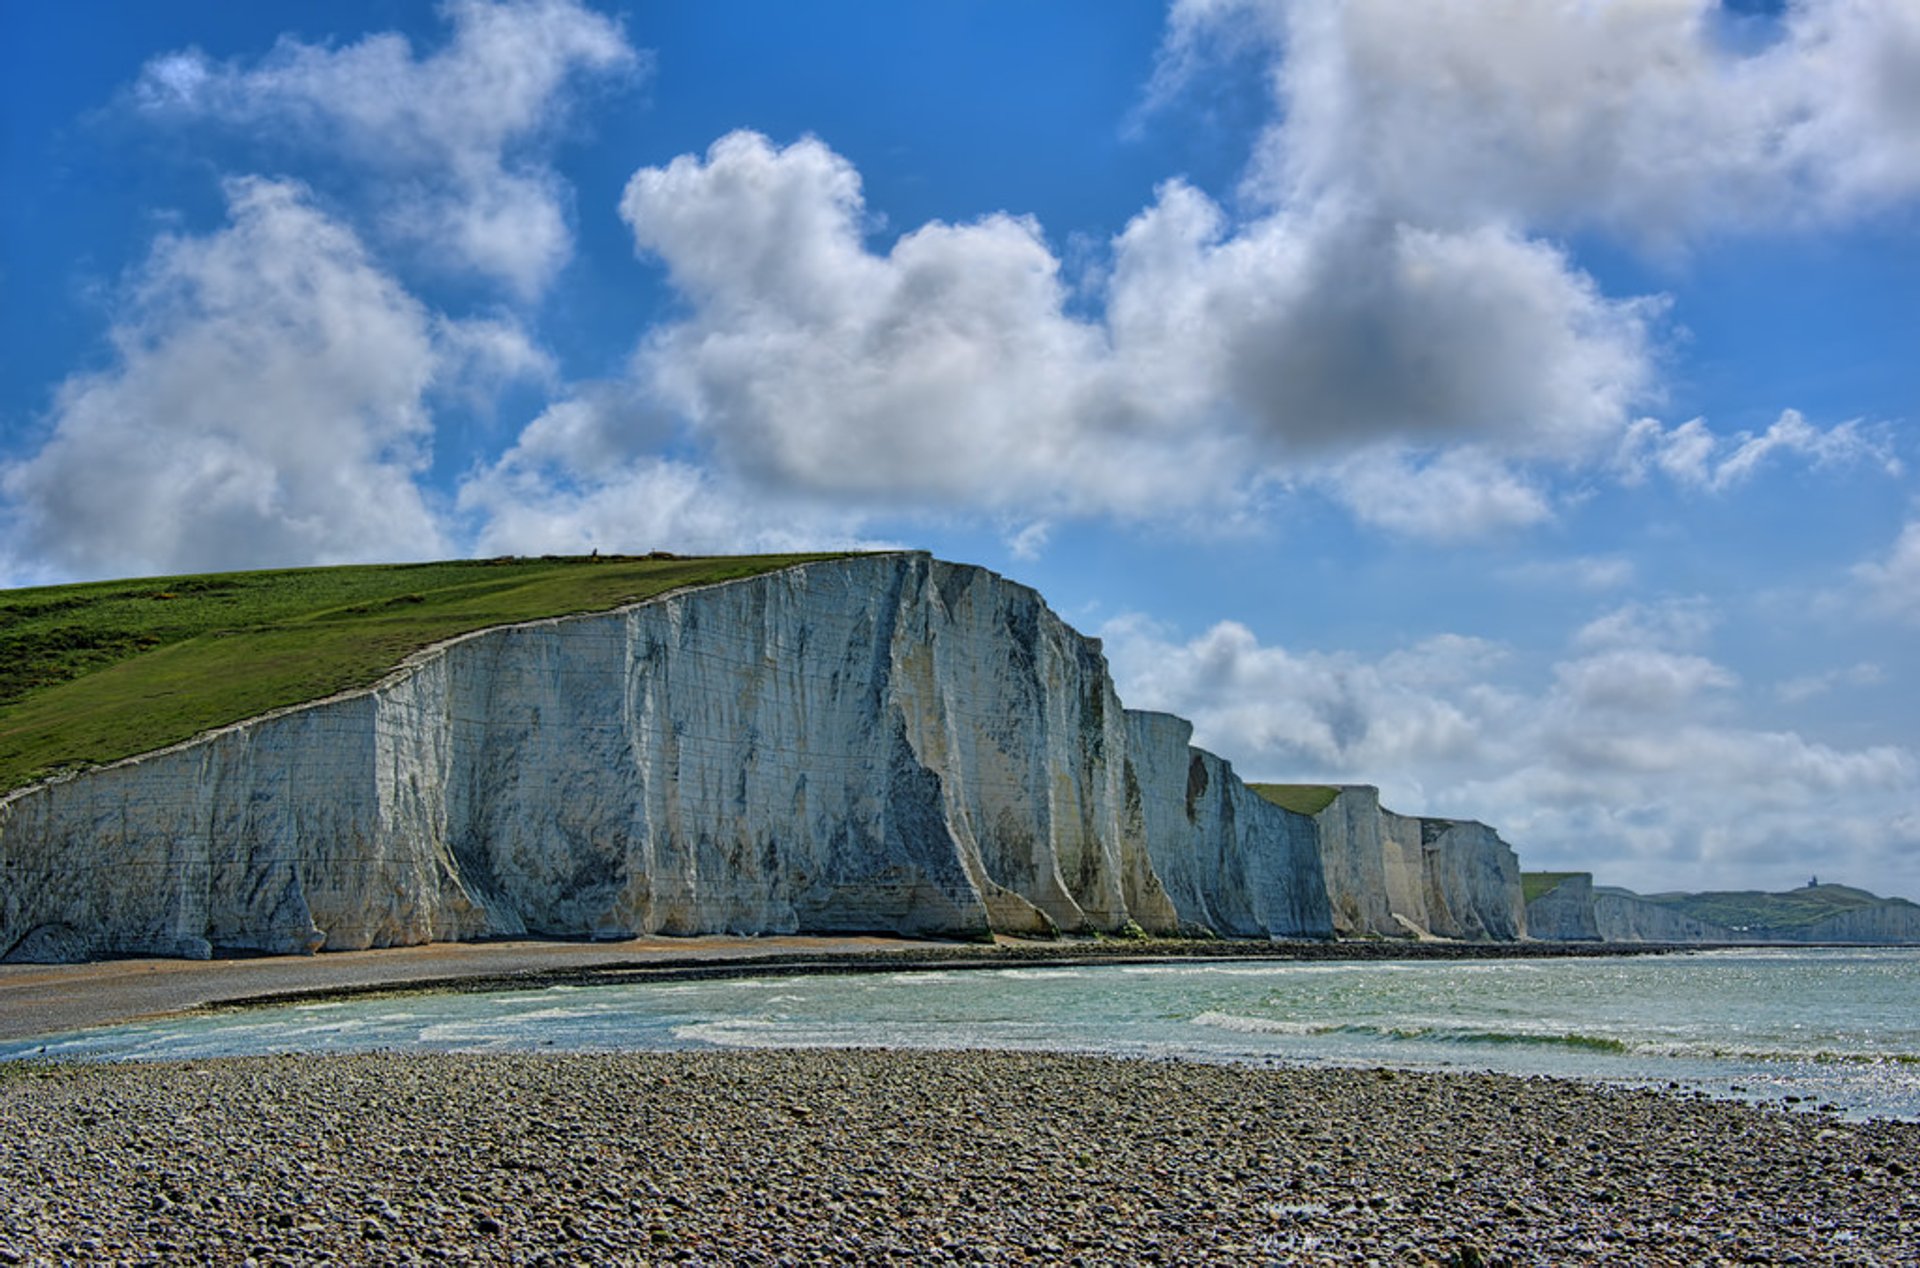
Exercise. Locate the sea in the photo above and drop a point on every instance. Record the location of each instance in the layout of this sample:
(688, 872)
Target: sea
(1825, 1030)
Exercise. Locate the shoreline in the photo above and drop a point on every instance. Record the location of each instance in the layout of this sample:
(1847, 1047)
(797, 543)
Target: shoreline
(886, 1156)
(42, 1000)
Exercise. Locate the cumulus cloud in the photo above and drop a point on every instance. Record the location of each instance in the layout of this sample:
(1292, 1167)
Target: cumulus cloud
(267, 403)
(1626, 756)
(585, 475)
(1666, 624)
(1455, 494)
(1693, 456)
(1656, 120)
(1330, 327)
(1322, 712)
(1637, 680)
(1383, 321)
(1892, 584)
(1335, 350)
(946, 368)
(1029, 541)
(453, 132)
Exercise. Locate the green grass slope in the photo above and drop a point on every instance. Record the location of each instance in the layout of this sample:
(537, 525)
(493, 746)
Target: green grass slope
(1539, 884)
(1751, 910)
(1304, 799)
(96, 672)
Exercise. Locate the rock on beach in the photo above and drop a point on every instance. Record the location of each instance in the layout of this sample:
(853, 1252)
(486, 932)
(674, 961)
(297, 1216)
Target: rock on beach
(832, 1156)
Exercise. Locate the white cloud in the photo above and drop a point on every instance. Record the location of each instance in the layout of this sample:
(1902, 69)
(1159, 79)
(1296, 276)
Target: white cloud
(268, 403)
(1657, 119)
(1325, 712)
(1030, 541)
(1458, 493)
(648, 504)
(1892, 585)
(583, 477)
(949, 367)
(1625, 757)
(1638, 680)
(1810, 686)
(1691, 455)
(1383, 322)
(1329, 327)
(1668, 625)
(453, 133)
(946, 369)
(1582, 572)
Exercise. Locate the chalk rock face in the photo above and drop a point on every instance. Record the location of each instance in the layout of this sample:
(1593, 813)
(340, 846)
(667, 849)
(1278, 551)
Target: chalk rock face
(1397, 876)
(1894, 921)
(1565, 912)
(1473, 882)
(1230, 861)
(884, 743)
(1353, 849)
(1626, 917)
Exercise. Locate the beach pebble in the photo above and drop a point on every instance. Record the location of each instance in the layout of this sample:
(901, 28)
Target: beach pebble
(829, 1156)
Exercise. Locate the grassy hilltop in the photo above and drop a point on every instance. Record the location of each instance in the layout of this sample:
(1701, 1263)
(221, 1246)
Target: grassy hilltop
(96, 672)
(1750, 911)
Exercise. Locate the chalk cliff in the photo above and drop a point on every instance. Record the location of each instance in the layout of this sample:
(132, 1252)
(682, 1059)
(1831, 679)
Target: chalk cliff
(1894, 921)
(1473, 882)
(885, 742)
(1565, 912)
(1398, 876)
(1623, 916)
(1228, 859)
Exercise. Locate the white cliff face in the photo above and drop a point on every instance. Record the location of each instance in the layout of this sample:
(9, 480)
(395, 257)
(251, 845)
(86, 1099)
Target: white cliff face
(1229, 861)
(884, 743)
(1890, 922)
(1392, 875)
(1355, 862)
(1565, 912)
(1474, 890)
(1624, 917)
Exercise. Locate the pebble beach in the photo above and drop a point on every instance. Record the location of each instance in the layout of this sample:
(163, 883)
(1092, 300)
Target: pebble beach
(874, 1156)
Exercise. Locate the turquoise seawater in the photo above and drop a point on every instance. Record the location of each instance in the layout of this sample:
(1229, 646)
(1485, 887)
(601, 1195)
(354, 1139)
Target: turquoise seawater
(1833, 1027)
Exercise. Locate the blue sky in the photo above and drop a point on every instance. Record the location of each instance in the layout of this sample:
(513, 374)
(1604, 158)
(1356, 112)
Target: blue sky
(1508, 403)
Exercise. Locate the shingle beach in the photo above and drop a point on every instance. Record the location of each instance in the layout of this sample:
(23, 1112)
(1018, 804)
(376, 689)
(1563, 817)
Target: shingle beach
(829, 1157)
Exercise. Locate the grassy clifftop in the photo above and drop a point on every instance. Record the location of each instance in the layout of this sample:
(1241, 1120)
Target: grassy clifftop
(96, 672)
(1304, 799)
(1539, 884)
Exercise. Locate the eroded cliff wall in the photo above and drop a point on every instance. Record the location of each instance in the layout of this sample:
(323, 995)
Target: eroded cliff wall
(1397, 876)
(1891, 922)
(880, 743)
(1474, 890)
(1625, 917)
(1565, 912)
(1230, 861)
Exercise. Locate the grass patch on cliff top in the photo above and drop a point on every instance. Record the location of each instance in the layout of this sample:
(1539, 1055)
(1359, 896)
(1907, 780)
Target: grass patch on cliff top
(1302, 799)
(96, 672)
(1539, 884)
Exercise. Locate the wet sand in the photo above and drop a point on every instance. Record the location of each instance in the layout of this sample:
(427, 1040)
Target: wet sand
(40, 999)
(50, 999)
